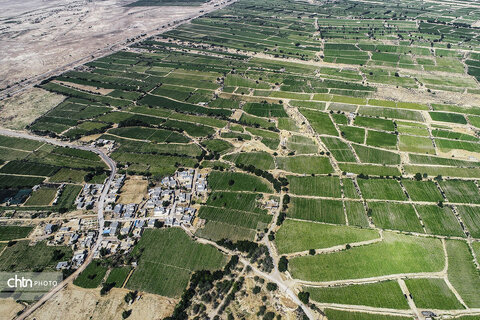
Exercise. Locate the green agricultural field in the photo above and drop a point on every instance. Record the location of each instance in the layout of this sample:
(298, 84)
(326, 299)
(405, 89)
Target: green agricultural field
(260, 160)
(471, 218)
(92, 276)
(416, 144)
(323, 186)
(305, 164)
(371, 170)
(349, 190)
(236, 181)
(40, 257)
(375, 123)
(422, 190)
(432, 171)
(320, 122)
(14, 232)
(237, 218)
(353, 134)
(339, 149)
(440, 221)
(29, 168)
(448, 117)
(287, 124)
(395, 216)
(396, 254)
(41, 197)
(218, 145)
(346, 315)
(356, 214)
(215, 230)
(330, 211)
(381, 139)
(385, 294)
(302, 145)
(236, 201)
(372, 155)
(295, 236)
(432, 294)
(68, 175)
(118, 276)
(167, 257)
(383, 189)
(460, 191)
(462, 273)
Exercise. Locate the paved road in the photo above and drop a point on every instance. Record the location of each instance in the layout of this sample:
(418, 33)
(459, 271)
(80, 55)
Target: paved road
(113, 170)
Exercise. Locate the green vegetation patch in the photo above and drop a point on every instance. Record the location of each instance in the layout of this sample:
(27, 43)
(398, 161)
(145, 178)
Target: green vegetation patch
(462, 273)
(215, 230)
(14, 232)
(440, 221)
(448, 117)
(237, 181)
(372, 155)
(217, 145)
(330, 211)
(460, 191)
(386, 294)
(422, 190)
(295, 236)
(340, 150)
(375, 123)
(40, 257)
(305, 164)
(395, 216)
(397, 253)
(92, 276)
(41, 197)
(432, 294)
(381, 139)
(384, 189)
(320, 122)
(118, 276)
(325, 186)
(370, 169)
(260, 160)
(167, 258)
(416, 144)
(471, 218)
(346, 315)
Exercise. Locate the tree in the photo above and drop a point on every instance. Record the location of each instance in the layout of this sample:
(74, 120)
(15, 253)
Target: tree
(256, 290)
(272, 286)
(311, 252)
(418, 176)
(304, 296)
(103, 252)
(283, 264)
(126, 313)
(440, 204)
(231, 182)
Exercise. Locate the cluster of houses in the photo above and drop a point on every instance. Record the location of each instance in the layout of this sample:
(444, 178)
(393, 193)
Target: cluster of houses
(109, 144)
(78, 234)
(170, 202)
(89, 196)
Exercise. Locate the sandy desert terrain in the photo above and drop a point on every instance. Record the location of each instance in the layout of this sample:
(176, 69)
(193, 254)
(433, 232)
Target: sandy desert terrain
(38, 36)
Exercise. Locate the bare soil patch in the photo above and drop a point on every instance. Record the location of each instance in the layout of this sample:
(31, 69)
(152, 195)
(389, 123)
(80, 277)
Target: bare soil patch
(134, 190)
(9, 308)
(22, 109)
(78, 303)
